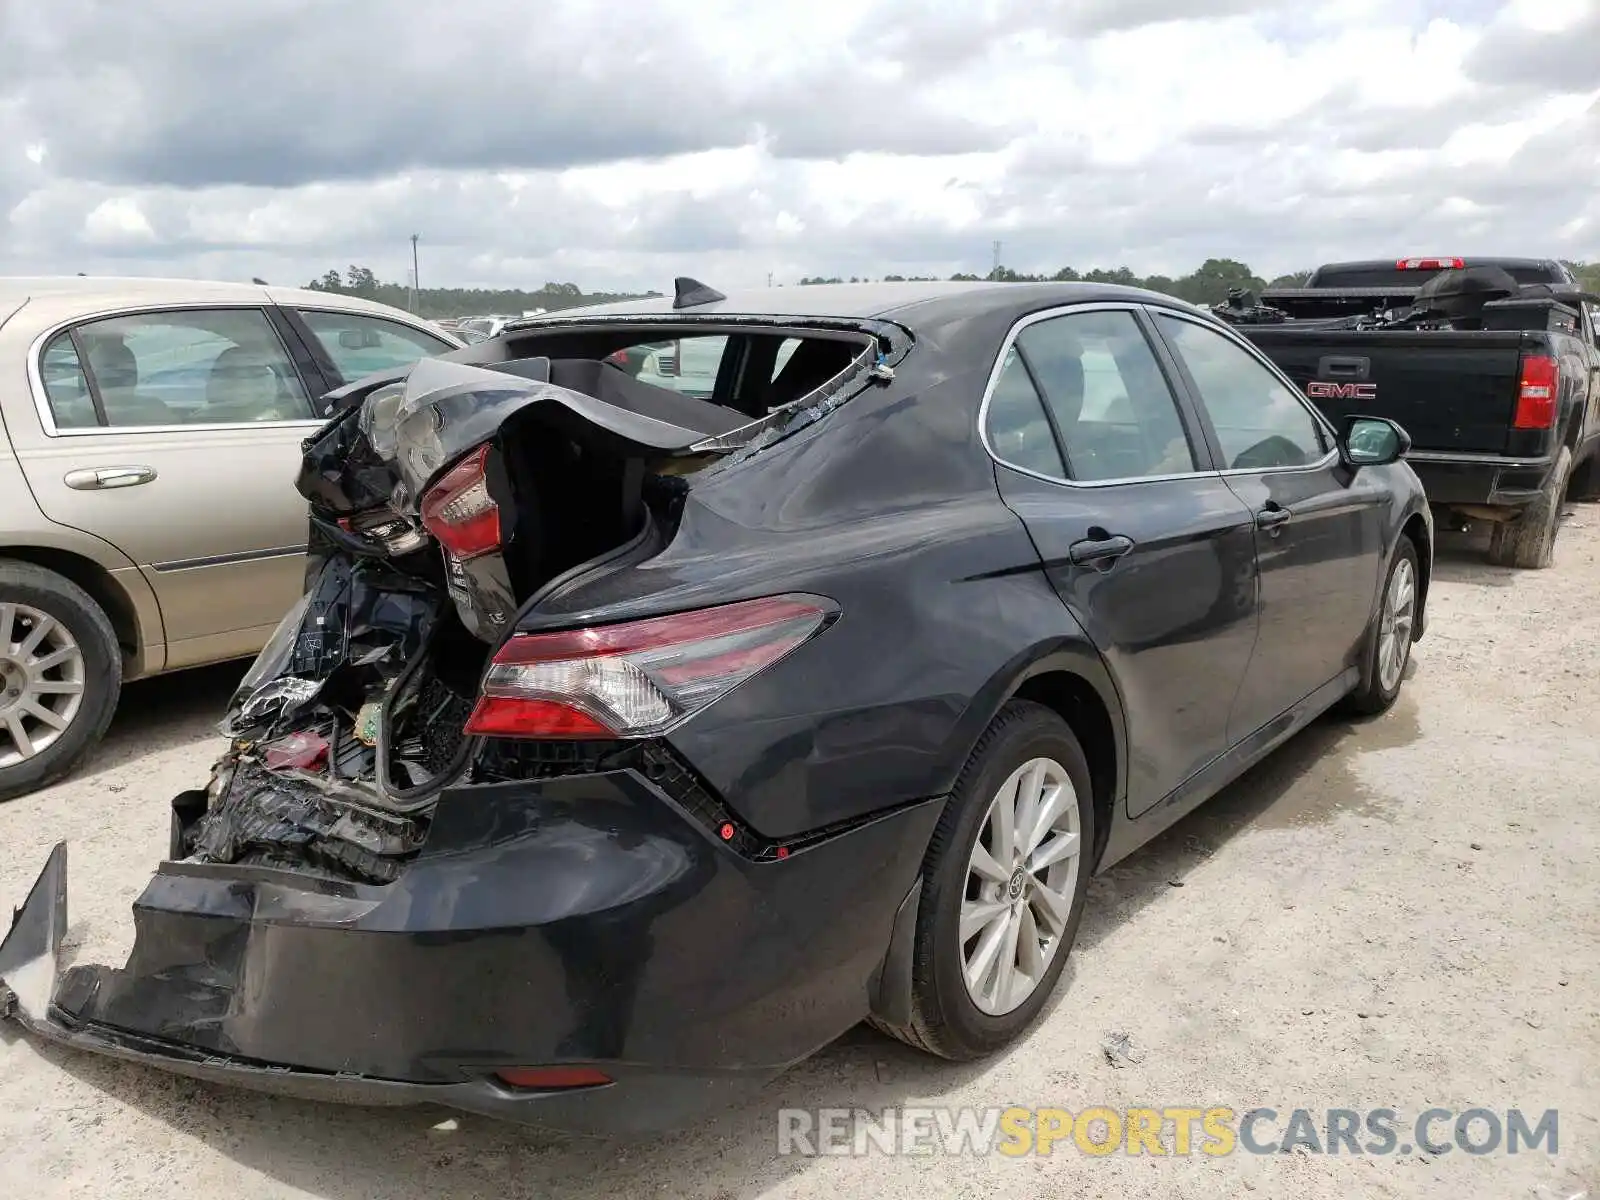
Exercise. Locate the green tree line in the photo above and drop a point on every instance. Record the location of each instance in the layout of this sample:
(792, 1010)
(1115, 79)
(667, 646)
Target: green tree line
(439, 303)
(1208, 284)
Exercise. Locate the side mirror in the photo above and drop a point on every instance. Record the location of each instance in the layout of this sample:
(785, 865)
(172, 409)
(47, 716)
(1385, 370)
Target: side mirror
(358, 339)
(1372, 442)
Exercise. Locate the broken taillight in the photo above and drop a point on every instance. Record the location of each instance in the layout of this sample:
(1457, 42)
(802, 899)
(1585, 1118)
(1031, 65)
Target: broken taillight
(459, 511)
(638, 678)
(1537, 392)
(1430, 264)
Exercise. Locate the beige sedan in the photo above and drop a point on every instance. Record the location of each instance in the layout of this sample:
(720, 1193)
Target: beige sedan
(148, 517)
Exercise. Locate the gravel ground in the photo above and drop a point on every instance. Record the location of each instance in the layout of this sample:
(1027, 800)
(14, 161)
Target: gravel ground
(1400, 913)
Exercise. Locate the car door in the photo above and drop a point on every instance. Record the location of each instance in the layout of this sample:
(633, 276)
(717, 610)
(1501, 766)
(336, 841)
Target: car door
(1319, 527)
(174, 434)
(1152, 553)
(355, 344)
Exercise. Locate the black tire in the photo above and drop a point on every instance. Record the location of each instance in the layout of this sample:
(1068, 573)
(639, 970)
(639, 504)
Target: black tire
(944, 1019)
(1372, 697)
(58, 597)
(1529, 542)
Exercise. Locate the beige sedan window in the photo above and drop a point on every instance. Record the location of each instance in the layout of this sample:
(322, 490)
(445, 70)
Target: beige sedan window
(187, 367)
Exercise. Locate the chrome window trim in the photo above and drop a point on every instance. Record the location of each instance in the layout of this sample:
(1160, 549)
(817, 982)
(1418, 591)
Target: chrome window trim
(1049, 314)
(47, 417)
(1323, 463)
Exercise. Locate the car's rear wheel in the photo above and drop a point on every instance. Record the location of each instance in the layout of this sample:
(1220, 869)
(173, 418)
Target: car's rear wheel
(1389, 645)
(60, 675)
(1004, 886)
(1529, 541)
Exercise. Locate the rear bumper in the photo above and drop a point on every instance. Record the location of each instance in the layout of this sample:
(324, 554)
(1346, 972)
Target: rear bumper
(576, 921)
(1483, 479)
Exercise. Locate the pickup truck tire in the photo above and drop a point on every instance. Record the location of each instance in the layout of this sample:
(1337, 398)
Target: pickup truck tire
(1529, 542)
(1389, 641)
(60, 676)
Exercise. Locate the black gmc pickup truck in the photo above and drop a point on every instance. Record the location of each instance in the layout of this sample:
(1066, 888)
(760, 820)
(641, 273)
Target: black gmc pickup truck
(1489, 364)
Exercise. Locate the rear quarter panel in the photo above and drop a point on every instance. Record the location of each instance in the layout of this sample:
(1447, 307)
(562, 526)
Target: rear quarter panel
(889, 508)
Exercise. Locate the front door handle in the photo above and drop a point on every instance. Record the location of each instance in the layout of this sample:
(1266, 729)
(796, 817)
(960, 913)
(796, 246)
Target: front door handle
(1101, 553)
(99, 478)
(1273, 519)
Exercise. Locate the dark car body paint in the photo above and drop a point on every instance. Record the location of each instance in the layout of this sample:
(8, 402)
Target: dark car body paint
(591, 918)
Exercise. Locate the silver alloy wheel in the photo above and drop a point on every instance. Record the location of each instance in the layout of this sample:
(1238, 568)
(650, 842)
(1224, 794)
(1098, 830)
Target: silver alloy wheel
(1021, 880)
(1394, 628)
(41, 682)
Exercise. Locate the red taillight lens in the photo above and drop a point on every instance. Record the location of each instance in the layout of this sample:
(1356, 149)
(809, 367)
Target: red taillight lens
(549, 1079)
(1430, 264)
(1536, 395)
(638, 678)
(459, 511)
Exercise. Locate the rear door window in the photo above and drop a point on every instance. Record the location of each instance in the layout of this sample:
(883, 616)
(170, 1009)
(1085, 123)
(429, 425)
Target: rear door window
(1117, 416)
(183, 367)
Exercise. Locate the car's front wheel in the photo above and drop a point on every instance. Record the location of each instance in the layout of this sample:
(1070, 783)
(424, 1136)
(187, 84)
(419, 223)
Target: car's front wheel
(1004, 886)
(60, 675)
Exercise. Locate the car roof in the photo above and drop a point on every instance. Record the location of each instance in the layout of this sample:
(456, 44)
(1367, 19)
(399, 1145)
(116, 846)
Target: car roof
(912, 303)
(48, 300)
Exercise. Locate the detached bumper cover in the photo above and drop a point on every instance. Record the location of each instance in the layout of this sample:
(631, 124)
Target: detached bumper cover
(576, 921)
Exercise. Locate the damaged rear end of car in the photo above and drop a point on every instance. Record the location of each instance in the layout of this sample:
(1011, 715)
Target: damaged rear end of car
(445, 853)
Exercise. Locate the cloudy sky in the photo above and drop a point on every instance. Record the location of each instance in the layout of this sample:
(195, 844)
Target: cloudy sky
(617, 144)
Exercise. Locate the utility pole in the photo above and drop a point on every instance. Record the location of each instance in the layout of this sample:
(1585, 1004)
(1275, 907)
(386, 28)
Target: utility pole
(416, 276)
(995, 269)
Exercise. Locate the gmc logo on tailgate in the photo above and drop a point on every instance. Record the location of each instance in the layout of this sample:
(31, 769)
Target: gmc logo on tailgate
(1318, 390)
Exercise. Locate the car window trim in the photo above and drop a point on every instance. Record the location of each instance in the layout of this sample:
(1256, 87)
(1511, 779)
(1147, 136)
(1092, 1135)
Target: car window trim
(89, 381)
(326, 361)
(1327, 460)
(1180, 398)
(46, 414)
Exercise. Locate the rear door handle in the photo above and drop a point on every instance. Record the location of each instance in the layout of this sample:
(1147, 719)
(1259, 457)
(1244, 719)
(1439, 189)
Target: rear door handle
(1273, 519)
(1099, 553)
(99, 478)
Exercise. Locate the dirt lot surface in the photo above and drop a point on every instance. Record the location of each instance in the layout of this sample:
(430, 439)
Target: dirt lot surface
(1404, 913)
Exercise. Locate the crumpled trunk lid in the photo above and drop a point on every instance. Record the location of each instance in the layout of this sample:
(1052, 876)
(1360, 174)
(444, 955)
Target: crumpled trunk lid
(351, 720)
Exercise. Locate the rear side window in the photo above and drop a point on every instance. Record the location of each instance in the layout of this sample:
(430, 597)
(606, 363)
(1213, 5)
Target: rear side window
(183, 367)
(686, 365)
(1110, 400)
(360, 345)
(1019, 432)
(66, 387)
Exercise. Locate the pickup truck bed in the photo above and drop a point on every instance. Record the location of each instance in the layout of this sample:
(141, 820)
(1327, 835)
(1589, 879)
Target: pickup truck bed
(1504, 422)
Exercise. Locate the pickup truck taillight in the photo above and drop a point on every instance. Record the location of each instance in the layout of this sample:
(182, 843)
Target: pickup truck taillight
(637, 679)
(1536, 394)
(459, 511)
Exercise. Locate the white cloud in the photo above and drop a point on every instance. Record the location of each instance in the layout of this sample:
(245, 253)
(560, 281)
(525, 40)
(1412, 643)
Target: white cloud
(729, 140)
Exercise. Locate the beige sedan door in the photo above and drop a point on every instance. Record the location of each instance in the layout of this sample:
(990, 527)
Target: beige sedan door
(175, 435)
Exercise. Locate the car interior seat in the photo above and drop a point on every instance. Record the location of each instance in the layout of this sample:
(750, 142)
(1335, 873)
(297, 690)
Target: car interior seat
(115, 370)
(243, 387)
